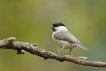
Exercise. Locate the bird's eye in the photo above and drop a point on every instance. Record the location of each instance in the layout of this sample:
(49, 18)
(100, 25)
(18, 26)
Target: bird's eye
(55, 25)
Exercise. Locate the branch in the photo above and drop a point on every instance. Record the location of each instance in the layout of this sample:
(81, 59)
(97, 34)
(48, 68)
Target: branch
(10, 43)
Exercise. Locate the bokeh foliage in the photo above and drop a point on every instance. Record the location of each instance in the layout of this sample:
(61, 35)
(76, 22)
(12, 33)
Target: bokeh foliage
(30, 21)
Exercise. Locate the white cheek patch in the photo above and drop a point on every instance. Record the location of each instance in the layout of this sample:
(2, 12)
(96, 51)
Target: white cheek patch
(61, 28)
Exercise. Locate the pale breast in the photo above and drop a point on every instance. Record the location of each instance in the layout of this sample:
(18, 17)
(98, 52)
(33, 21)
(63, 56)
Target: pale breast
(62, 43)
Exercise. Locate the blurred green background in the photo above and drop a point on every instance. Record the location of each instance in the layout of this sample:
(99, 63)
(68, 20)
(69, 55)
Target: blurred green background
(30, 21)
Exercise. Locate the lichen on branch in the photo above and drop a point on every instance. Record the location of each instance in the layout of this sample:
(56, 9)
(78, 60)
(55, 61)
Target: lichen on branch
(11, 43)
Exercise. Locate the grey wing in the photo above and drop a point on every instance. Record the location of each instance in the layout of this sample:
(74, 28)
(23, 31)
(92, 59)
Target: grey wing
(67, 36)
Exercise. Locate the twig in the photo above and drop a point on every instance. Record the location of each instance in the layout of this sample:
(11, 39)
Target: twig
(10, 43)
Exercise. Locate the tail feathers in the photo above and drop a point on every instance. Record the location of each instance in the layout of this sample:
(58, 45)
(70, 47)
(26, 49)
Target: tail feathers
(83, 47)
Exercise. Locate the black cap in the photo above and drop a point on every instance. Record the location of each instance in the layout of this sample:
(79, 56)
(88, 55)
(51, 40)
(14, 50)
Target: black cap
(58, 24)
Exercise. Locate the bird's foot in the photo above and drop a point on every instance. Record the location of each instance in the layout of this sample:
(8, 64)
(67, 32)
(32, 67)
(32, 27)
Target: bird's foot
(57, 51)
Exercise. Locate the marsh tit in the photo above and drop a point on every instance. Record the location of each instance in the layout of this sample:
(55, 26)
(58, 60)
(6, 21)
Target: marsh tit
(64, 38)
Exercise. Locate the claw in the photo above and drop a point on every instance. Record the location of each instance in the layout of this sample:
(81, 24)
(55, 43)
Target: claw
(57, 51)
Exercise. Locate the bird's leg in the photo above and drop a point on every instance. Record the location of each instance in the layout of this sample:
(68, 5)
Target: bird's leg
(70, 51)
(60, 49)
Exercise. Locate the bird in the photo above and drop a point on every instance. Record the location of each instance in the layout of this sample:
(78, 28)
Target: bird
(64, 38)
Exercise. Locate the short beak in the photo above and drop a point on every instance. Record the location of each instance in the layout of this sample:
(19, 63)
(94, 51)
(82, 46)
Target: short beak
(51, 27)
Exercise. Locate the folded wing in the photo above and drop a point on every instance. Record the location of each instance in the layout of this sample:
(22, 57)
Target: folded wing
(67, 36)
